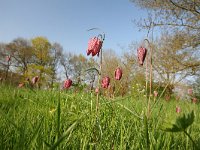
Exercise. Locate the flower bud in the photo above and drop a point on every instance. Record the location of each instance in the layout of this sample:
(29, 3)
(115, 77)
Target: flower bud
(118, 73)
(94, 46)
(178, 109)
(67, 83)
(97, 90)
(105, 82)
(141, 52)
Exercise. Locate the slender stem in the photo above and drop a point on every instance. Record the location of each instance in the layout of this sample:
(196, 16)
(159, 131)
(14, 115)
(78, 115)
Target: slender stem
(99, 78)
(194, 144)
(150, 78)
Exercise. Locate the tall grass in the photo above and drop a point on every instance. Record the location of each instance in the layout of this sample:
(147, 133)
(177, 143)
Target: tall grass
(64, 120)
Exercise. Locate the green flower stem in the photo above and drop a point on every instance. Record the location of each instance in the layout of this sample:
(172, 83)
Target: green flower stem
(99, 78)
(194, 144)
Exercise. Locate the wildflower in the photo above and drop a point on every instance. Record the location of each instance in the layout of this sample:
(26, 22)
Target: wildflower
(67, 83)
(194, 100)
(141, 52)
(8, 58)
(190, 91)
(20, 85)
(97, 90)
(94, 46)
(105, 82)
(118, 73)
(155, 93)
(35, 79)
(178, 109)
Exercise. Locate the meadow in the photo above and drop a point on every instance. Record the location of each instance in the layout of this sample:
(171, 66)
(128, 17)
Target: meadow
(54, 119)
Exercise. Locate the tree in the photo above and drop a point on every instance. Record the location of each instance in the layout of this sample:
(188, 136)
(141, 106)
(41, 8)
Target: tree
(42, 60)
(180, 15)
(172, 62)
(22, 54)
(5, 61)
(110, 63)
(65, 62)
(55, 53)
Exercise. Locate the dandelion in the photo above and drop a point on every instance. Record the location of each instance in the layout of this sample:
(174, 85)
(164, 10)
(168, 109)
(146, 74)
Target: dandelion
(67, 83)
(105, 82)
(35, 79)
(118, 73)
(141, 53)
(178, 109)
(94, 46)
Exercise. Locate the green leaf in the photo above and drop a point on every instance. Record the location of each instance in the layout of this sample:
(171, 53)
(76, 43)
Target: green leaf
(63, 136)
(181, 123)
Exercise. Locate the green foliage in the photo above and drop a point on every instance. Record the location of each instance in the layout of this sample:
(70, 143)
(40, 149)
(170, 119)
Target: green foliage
(181, 123)
(53, 119)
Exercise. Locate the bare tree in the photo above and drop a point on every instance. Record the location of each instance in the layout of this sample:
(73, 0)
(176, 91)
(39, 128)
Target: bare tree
(56, 54)
(181, 15)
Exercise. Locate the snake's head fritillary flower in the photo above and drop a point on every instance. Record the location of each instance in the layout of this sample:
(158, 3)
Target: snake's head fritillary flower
(8, 58)
(118, 73)
(67, 83)
(155, 93)
(190, 91)
(194, 100)
(141, 53)
(105, 82)
(35, 79)
(97, 90)
(94, 46)
(178, 109)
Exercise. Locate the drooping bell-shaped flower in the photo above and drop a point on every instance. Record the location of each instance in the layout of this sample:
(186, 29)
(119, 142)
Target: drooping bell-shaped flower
(35, 79)
(97, 90)
(105, 82)
(67, 83)
(8, 58)
(118, 73)
(141, 54)
(178, 109)
(94, 46)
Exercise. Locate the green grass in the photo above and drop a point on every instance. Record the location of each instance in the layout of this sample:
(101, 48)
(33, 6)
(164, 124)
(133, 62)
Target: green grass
(47, 119)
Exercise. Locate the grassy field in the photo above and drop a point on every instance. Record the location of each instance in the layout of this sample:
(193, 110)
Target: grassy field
(48, 119)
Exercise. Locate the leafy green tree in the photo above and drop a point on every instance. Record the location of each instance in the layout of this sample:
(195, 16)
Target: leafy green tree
(42, 59)
(22, 55)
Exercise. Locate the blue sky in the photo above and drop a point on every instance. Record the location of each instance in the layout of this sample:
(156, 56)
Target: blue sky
(67, 21)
